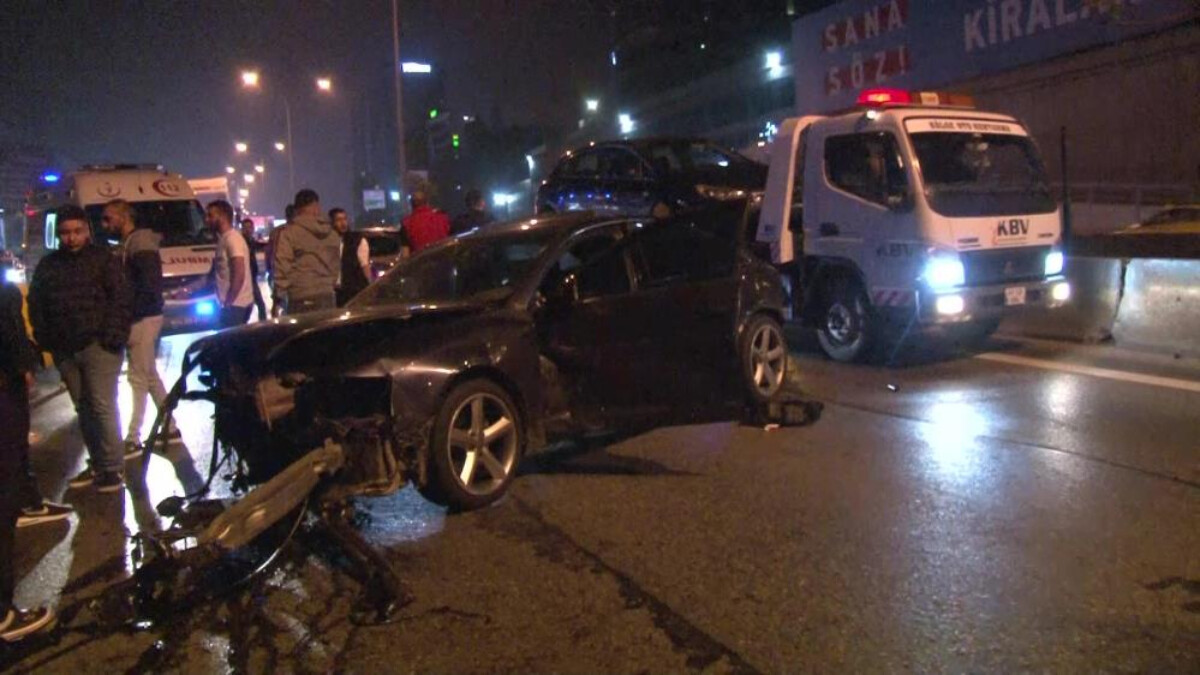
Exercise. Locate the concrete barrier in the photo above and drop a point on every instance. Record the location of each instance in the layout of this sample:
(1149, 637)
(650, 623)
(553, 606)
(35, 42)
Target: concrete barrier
(1160, 308)
(1089, 317)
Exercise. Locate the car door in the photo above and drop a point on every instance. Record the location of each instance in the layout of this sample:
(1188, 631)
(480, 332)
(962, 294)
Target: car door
(686, 274)
(855, 208)
(592, 328)
(627, 185)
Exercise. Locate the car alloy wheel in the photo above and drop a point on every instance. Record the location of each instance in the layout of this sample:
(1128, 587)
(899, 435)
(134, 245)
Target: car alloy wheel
(476, 446)
(765, 357)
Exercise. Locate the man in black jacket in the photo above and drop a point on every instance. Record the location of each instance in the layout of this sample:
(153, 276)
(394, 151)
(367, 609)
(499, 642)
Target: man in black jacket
(18, 492)
(81, 309)
(475, 216)
(138, 252)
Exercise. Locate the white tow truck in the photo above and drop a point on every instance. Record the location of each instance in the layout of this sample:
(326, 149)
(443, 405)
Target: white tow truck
(911, 211)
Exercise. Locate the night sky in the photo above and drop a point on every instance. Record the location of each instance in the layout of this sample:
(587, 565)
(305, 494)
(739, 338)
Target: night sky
(114, 81)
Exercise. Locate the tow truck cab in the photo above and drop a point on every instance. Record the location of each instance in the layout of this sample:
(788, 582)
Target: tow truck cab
(161, 201)
(912, 210)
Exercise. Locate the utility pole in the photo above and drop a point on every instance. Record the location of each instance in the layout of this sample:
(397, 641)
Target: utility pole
(401, 160)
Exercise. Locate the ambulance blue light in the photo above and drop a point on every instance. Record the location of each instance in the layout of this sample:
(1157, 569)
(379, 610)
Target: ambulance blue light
(206, 308)
(50, 177)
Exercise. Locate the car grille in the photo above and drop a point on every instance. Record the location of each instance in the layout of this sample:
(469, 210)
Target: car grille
(1004, 265)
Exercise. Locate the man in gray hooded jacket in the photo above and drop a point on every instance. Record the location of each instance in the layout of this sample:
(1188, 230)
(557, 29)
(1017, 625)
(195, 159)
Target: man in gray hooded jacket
(307, 258)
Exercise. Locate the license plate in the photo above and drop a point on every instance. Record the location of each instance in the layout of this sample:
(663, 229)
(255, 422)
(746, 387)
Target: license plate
(1014, 296)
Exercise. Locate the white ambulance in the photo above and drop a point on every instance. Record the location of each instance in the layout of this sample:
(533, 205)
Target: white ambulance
(911, 211)
(161, 201)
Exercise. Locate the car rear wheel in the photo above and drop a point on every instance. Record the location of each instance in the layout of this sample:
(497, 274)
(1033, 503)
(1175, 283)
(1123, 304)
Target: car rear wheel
(764, 356)
(476, 446)
(848, 329)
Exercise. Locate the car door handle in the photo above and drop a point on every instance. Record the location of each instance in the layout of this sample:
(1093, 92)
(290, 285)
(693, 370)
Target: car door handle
(829, 230)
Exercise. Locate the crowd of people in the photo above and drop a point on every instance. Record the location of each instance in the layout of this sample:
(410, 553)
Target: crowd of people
(93, 307)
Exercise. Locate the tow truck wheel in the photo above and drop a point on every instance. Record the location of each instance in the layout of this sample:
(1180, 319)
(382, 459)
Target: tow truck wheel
(475, 447)
(848, 329)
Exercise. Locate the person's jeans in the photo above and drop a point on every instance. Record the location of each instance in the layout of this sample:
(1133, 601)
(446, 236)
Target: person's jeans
(235, 316)
(143, 373)
(91, 377)
(314, 303)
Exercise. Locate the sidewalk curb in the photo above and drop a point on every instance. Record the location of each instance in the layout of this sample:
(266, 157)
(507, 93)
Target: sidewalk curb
(45, 398)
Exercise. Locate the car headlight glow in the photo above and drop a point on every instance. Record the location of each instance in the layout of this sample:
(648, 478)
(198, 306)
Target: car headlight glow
(1054, 263)
(950, 304)
(944, 272)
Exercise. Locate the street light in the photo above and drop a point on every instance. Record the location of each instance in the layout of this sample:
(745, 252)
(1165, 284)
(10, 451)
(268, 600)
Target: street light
(249, 178)
(259, 168)
(230, 170)
(593, 104)
(324, 84)
(241, 147)
(280, 146)
(250, 78)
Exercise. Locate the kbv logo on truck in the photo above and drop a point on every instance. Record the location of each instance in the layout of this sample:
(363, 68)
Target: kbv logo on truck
(1013, 227)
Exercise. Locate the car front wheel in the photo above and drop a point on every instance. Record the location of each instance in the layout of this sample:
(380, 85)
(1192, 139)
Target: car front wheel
(764, 357)
(476, 446)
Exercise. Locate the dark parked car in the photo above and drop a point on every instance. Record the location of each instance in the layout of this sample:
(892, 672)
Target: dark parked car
(657, 177)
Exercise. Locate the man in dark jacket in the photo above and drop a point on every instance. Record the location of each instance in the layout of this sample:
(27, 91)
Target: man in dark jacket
(138, 252)
(252, 245)
(355, 273)
(18, 492)
(475, 216)
(81, 308)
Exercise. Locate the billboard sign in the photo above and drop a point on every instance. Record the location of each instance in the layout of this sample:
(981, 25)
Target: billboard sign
(374, 200)
(859, 44)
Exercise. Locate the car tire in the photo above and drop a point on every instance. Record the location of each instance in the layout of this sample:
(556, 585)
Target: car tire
(475, 446)
(763, 355)
(849, 330)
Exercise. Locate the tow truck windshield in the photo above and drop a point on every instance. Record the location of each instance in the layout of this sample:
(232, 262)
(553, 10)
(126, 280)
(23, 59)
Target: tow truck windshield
(180, 222)
(971, 174)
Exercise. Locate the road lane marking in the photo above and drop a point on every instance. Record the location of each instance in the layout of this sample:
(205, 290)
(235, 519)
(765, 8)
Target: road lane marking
(1106, 373)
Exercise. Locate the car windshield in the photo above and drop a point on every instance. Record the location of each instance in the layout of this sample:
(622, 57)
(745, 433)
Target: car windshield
(974, 174)
(469, 267)
(180, 222)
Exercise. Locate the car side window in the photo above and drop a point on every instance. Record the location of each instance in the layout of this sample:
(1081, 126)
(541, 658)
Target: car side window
(681, 251)
(598, 265)
(618, 163)
(586, 165)
(866, 165)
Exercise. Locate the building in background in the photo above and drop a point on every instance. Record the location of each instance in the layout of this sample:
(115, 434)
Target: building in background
(1119, 80)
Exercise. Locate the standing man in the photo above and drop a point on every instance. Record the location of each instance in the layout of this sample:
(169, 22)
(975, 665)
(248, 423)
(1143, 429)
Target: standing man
(138, 252)
(252, 246)
(289, 212)
(231, 265)
(425, 225)
(81, 308)
(307, 258)
(17, 487)
(475, 215)
(355, 272)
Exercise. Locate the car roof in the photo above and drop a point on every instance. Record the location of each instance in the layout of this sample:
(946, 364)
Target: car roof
(563, 222)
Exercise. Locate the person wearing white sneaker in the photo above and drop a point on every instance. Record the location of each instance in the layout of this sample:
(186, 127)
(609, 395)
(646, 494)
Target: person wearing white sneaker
(18, 624)
(18, 360)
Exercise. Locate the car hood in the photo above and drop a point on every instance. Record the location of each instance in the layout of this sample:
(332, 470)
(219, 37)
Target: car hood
(331, 333)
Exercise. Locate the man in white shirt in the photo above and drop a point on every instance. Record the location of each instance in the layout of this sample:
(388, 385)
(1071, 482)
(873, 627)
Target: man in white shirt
(231, 266)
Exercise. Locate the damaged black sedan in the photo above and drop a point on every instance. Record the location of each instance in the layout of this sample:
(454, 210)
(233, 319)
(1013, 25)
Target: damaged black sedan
(480, 350)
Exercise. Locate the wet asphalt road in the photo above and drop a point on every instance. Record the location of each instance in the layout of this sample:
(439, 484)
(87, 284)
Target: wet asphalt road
(1033, 508)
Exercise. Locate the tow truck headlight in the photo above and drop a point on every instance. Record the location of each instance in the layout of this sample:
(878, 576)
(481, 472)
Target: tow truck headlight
(1054, 263)
(1061, 292)
(944, 272)
(950, 304)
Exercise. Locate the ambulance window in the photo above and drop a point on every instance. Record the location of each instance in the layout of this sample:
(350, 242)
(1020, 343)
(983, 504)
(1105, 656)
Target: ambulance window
(51, 231)
(866, 166)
